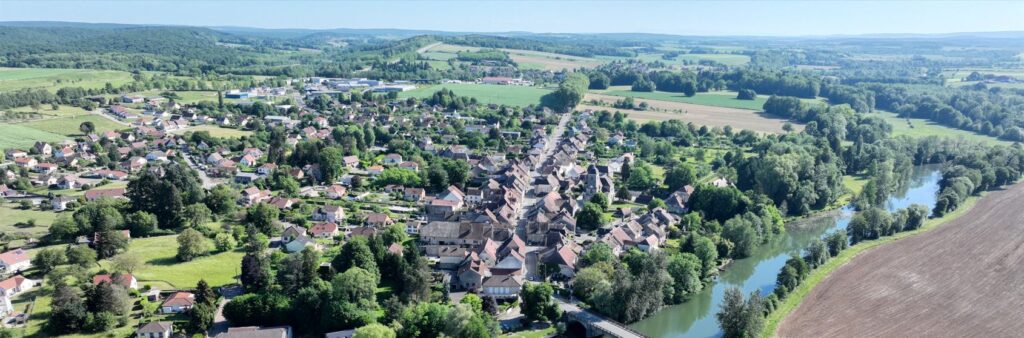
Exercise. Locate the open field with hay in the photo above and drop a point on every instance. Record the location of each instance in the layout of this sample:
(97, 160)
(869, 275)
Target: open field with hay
(55, 78)
(698, 114)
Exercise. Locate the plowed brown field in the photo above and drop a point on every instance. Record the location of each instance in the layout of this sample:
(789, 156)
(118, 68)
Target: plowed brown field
(962, 279)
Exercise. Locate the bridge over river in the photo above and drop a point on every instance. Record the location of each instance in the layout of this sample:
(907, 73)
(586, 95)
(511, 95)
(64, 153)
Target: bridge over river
(594, 324)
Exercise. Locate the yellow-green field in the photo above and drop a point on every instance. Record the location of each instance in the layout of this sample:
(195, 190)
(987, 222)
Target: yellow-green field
(68, 126)
(922, 128)
(55, 78)
(162, 269)
(22, 137)
(215, 131)
(496, 94)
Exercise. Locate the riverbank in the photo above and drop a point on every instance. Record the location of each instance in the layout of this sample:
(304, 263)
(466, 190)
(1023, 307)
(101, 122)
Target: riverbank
(795, 297)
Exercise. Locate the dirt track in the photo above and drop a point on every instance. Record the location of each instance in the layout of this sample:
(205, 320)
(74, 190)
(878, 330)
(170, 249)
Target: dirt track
(963, 279)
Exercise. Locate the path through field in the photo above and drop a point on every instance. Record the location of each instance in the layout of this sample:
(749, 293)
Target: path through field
(963, 279)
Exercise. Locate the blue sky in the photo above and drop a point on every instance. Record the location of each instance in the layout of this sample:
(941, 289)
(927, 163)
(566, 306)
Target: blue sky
(672, 17)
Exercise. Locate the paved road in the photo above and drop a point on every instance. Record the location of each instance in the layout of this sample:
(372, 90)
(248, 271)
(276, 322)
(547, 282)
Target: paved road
(549, 148)
(203, 177)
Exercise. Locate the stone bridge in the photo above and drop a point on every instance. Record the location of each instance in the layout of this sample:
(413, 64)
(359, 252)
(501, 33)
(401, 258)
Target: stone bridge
(593, 324)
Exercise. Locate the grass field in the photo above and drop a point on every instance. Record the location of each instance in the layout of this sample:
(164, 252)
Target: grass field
(22, 137)
(922, 128)
(163, 268)
(215, 131)
(717, 99)
(55, 78)
(726, 59)
(11, 214)
(506, 95)
(68, 126)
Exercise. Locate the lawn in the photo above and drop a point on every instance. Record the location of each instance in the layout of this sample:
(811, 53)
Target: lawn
(47, 111)
(68, 126)
(215, 131)
(923, 128)
(55, 78)
(21, 136)
(11, 214)
(497, 94)
(162, 268)
(786, 306)
(717, 99)
(532, 333)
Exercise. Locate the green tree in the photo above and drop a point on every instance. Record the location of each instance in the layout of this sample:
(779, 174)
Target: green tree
(196, 215)
(141, 223)
(374, 330)
(356, 253)
(191, 244)
(222, 199)
(80, 255)
(48, 259)
(110, 242)
(538, 304)
(591, 217)
(87, 127)
(200, 318)
(224, 242)
(679, 176)
(263, 217)
(589, 281)
(331, 166)
(126, 262)
(685, 269)
(68, 310)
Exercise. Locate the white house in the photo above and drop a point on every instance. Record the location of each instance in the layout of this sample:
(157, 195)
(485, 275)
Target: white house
(178, 302)
(14, 261)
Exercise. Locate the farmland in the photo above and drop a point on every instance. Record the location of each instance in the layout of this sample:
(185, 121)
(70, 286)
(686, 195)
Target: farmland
(53, 79)
(960, 279)
(496, 94)
(718, 99)
(698, 114)
(550, 61)
(20, 136)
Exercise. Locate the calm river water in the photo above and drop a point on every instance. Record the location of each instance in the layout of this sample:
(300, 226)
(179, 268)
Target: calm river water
(696, 317)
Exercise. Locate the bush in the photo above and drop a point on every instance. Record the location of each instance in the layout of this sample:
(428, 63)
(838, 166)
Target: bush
(746, 94)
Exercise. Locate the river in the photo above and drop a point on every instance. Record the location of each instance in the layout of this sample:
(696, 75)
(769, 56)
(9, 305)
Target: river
(696, 317)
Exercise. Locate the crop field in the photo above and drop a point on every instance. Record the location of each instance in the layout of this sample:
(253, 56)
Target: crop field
(22, 137)
(162, 267)
(215, 131)
(527, 59)
(961, 279)
(496, 94)
(550, 61)
(923, 127)
(719, 99)
(698, 114)
(68, 126)
(55, 78)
